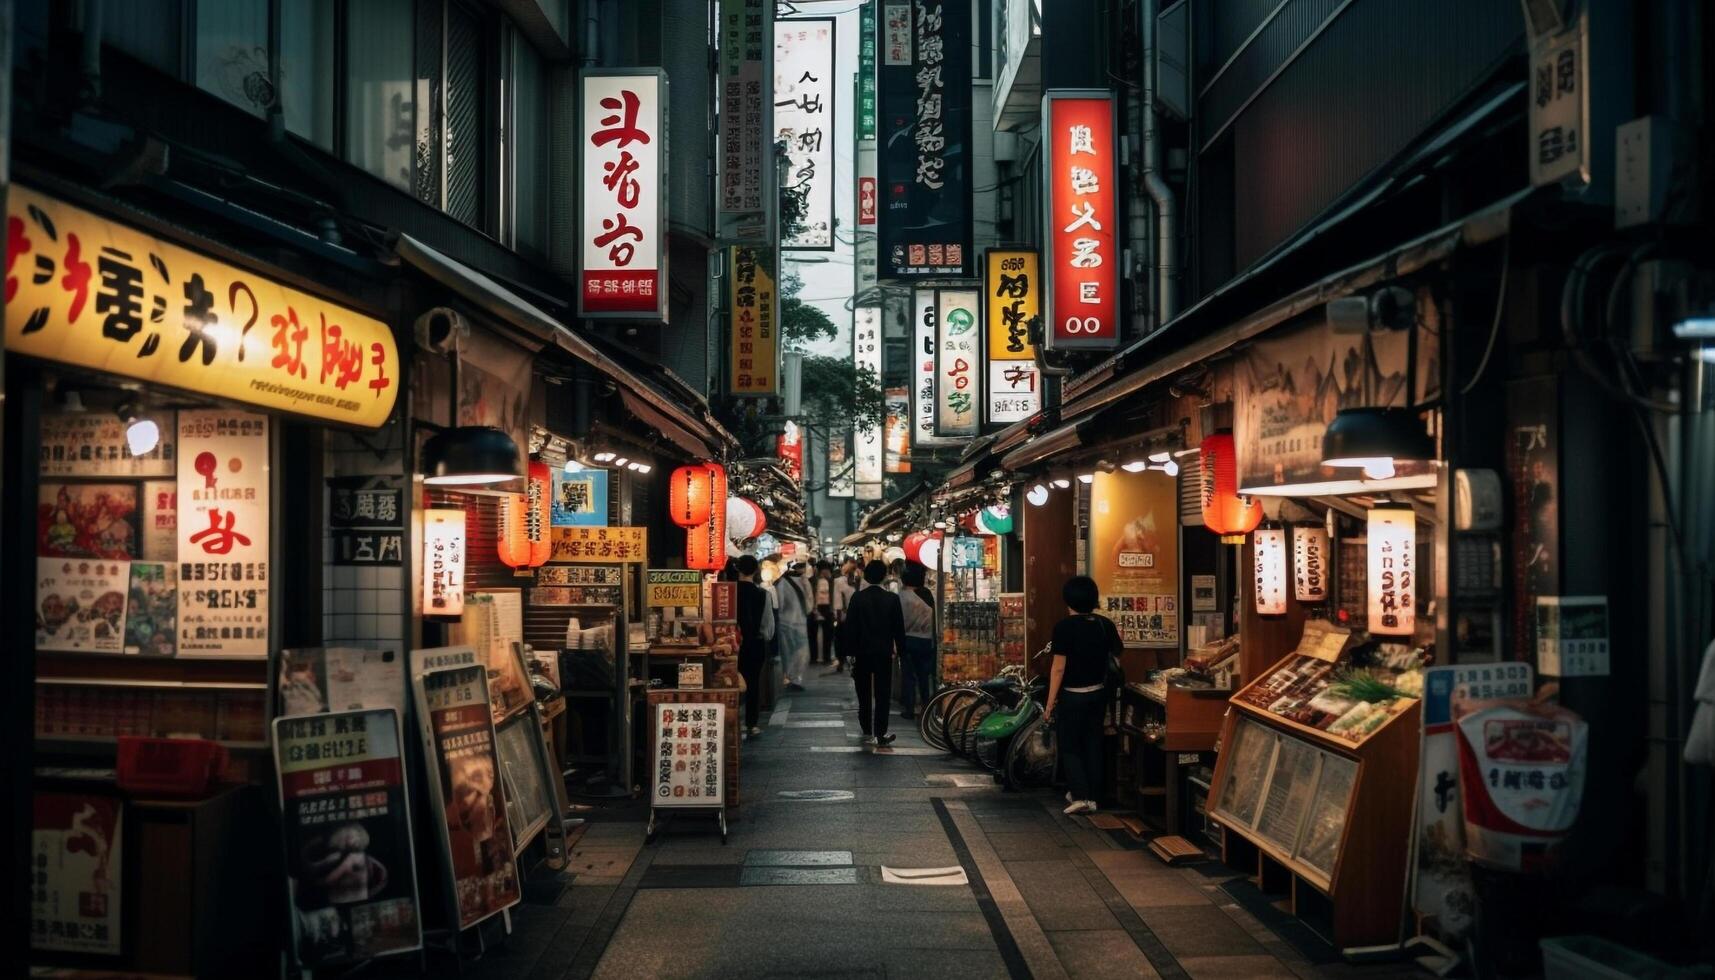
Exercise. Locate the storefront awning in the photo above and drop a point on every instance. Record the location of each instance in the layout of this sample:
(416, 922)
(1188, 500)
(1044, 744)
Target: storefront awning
(1052, 443)
(705, 436)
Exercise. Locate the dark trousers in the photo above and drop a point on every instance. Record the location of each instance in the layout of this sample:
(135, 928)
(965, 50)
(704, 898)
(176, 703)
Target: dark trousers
(750, 663)
(813, 626)
(1080, 733)
(822, 635)
(916, 672)
(874, 679)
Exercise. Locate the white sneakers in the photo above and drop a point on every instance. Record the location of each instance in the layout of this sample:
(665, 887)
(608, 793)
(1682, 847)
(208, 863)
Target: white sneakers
(1079, 806)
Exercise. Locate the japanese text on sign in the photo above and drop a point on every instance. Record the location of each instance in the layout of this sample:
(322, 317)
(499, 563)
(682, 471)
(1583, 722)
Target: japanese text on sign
(687, 754)
(223, 534)
(743, 34)
(1559, 108)
(673, 587)
(755, 356)
(925, 119)
(804, 121)
(624, 171)
(83, 290)
(601, 544)
(924, 312)
(866, 440)
(958, 383)
(1082, 222)
(1013, 289)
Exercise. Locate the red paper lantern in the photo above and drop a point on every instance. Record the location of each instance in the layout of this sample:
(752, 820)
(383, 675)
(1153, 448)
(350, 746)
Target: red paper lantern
(913, 544)
(690, 493)
(761, 520)
(538, 517)
(1225, 511)
(512, 536)
(705, 544)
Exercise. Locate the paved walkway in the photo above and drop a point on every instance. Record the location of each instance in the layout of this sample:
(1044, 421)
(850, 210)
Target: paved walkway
(798, 890)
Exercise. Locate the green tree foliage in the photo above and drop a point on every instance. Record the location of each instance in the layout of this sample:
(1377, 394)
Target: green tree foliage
(838, 396)
(800, 322)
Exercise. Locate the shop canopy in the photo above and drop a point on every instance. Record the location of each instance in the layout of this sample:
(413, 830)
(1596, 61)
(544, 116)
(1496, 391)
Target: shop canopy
(890, 516)
(693, 429)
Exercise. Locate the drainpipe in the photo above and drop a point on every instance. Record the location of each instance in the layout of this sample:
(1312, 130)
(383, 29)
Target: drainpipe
(89, 67)
(1166, 250)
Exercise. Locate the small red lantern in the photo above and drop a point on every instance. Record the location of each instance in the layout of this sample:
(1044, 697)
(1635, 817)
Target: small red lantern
(1225, 511)
(512, 536)
(690, 493)
(913, 544)
(538, 517)
(705, 544)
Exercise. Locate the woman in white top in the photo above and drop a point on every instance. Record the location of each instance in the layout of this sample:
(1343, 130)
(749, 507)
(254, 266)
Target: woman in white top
(791, 630)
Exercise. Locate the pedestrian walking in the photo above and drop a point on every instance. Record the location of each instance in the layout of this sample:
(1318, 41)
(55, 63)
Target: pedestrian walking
(1084, 644)
(755, 630)
(895, 575)
(845, 587)
(822, 620)
(792, 630)
(917, 663)
(875, 632)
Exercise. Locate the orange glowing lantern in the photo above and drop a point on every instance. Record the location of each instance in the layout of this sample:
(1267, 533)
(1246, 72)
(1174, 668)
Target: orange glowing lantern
(538, 517)
(512, 535)
(705, 543)
(690, 494)
(1225, 511)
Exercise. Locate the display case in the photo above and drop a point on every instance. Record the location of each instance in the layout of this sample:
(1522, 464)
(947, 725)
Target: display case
(1314, 792)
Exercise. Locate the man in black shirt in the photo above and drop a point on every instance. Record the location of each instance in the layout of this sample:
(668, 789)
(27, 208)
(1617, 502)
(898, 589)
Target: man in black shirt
(875, 631)
(755, 629)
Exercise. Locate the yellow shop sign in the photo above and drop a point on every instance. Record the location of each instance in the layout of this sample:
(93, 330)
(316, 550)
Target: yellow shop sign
(94, 293)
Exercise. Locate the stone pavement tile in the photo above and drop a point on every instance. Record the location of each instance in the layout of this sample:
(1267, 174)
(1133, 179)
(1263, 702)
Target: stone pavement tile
(698, 852)
(611, 833)
(1236, 968)
(1100, 954)
(796, 859)
(586, 903)
(942, 964)
(1199, 930)
(1027, 847)
(1059, 897)
(920, 898)
(936, 855)
(603, 861)
(1146, 891)
(1125, 862)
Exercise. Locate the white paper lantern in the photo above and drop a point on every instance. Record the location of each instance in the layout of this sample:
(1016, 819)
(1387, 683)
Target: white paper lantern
(1268, 546)
(930, 553)
(1310, 562)
(1393, 571)
(740, 518)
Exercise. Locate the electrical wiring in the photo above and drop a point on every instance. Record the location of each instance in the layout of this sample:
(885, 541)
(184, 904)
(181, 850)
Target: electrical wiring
(1494, 328)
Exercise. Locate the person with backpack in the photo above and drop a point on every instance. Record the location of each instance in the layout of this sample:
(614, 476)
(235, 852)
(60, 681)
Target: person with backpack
(1085, 645)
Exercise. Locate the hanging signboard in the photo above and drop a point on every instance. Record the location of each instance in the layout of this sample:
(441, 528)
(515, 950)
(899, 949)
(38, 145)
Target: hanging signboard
(457, 726)
(752, 304)
(664, 587)
(865, 271)
(624, 152)
(896, 453)
(924, 311)
(866, 75)
(804, 120)
(867, 450)
(925, 140)
(366, 517)
(842, 479)
(443, 562)
(223, 534)
(601, 544)
(1560, 106)
(789, 448)
(1134, 554)
(1012, 285)
(1082, 221)
(958, 356)
(94, 293)
(745, 144)
(77, 868)
(689, 742)
(580, 497)
(346, 815)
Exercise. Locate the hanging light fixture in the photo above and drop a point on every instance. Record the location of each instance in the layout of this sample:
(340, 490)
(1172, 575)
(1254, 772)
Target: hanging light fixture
(470, 455)
(1170, 467)
(1061, 483)
(1037, 495)
(512, 537)
(1393, 570)
(1310, 562)
(688, 495)
(1225, 511)
(1375, 440)
(538, 515)
(1135, 466)
(1268, 546)
(142, 435)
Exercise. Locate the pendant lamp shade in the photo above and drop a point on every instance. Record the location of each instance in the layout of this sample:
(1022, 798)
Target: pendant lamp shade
(1374, 439)
(689, 495)
(470, 455)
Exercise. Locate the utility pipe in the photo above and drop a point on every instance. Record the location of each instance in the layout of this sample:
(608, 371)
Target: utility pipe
(1166, 250)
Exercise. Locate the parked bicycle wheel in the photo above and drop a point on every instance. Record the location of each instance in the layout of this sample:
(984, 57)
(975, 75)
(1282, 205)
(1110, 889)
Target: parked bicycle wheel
(932, 723)
(962, 732)
(1032, 756)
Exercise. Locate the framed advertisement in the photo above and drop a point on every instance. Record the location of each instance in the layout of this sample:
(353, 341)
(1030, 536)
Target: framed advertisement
(456, 723)
(350, 858)
(223, 552)
(525, 773)
(1134, 554)
(624, 194)
(687, 746)
(76, 840)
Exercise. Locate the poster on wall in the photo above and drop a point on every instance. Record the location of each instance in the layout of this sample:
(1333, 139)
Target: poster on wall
(624, 154)
(752, 306)
(366, 516)
(689, 739)
(78, 865)
(744, 107)
(314, 680)
(80, 604)
(924, 158)
(160, 521)
(223, 534)
(493, 625)
(87, 520)
(1013, 290)
(804, 121)
(1287, 389)
(1134, 554)
(350, 863)
(465, 786)
(958, 364)
(152, 609)
(1080, 197)
(1533, 476)
(580, 497)
(94, 444)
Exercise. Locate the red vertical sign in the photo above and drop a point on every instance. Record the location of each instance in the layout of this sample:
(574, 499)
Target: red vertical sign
(624, 194)
(866, 201)
(1083, 221)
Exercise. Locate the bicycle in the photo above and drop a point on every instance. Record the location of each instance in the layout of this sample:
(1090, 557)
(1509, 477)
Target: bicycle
(999, 724)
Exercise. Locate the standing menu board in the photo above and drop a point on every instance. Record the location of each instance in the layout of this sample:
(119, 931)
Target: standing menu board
(689, 739)
(457, 726)
(350, 861)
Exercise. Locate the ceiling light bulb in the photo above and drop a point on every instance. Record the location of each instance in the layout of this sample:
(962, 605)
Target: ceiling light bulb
(1379, 469)
(142, 436)
(621, 461)
(1086, 478)
(1170, 468)
(1135, 466)
(1037, 495)
(1061, 483)
(603, 457)
(573, 466)
(643, 467)
(1161, 457)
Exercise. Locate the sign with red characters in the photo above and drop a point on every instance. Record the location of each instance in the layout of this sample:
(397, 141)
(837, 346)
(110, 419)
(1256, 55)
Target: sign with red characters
(624, 267)
(1083, 221)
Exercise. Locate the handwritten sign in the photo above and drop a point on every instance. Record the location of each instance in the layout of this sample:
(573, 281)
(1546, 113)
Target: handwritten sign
(601, 544)
(687, 759)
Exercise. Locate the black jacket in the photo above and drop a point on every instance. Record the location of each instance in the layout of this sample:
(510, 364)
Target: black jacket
(752, 612)
(875, 624)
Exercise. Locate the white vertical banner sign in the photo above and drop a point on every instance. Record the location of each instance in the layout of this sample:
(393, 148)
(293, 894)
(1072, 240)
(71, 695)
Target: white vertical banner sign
(958, 364)
(624, 149)
(744, 95)
(923, 337)
(223, 534)
(804, 121)
(866, 440)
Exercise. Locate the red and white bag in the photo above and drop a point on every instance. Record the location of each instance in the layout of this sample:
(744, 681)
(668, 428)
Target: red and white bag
(1521, 779)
